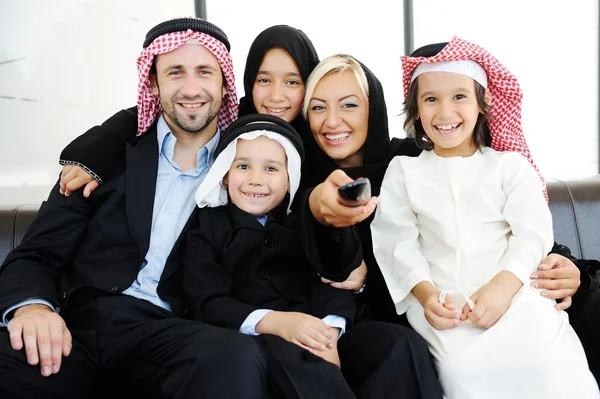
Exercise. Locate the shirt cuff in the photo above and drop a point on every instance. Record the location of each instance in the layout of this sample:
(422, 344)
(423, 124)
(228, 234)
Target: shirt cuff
(337, 322)
(21, 304)
(249, 325)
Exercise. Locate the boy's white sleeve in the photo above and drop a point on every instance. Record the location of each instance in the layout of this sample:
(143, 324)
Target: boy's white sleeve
(395, 234)
(528, 215)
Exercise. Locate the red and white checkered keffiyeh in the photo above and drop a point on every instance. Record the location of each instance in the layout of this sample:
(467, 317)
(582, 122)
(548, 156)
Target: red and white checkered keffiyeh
(148, 104)
(505, 91)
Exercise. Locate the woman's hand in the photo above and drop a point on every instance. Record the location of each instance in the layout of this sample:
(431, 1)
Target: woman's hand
(355, 280)
(73, 178)
(559, 278)
(329, 208)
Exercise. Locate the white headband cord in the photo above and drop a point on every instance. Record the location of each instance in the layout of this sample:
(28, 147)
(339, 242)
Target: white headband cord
(468, 68)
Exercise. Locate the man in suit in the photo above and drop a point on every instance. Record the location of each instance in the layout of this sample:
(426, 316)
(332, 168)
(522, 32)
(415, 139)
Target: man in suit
(94, 292)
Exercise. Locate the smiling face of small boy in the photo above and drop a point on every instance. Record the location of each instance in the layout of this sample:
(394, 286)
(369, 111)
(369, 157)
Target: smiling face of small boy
(448, 110)
(257, 180)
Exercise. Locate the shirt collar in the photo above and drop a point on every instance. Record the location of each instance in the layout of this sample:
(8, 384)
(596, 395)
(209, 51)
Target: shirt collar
(166, 143)
(262, 219)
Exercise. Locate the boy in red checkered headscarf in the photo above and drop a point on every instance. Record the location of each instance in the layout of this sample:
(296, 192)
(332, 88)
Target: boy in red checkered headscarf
(460, 229)
(95, 289)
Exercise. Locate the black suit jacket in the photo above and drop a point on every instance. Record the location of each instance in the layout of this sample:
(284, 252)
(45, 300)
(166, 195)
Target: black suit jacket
(97, 242)
(234, 266)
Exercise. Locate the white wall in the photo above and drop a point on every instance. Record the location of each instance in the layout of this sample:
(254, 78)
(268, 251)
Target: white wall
(64, 66)
(68, 65)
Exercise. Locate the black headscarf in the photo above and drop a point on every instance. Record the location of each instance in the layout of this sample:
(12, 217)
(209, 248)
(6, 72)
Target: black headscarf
(298, 46)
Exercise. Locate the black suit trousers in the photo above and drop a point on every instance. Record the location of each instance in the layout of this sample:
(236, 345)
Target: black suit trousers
(379, 361)
(385, 360)
(126, 347)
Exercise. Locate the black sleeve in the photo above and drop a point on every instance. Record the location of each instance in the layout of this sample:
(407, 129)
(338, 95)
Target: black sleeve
(326, 300)
(32, 269)
(99, 149)
(333, 252)
(207, 282)
(590, 277)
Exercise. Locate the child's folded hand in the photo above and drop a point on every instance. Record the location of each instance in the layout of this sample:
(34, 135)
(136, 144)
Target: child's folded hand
(304, 330)
(492, 300)
(440, 316)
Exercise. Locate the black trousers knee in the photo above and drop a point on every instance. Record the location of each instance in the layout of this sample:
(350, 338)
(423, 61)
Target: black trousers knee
(127, 347)
(384, 360)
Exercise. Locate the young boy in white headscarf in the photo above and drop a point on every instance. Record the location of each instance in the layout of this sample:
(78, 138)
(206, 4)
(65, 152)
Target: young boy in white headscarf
(245, 265)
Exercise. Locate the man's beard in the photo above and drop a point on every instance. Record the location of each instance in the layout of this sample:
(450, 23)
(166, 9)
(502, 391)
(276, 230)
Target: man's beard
(192, 123)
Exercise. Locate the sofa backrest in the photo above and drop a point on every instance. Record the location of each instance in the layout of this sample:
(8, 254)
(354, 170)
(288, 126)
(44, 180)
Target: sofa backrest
(575, 207)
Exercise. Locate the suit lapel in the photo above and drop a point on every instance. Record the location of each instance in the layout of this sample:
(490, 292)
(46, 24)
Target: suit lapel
(140, 182)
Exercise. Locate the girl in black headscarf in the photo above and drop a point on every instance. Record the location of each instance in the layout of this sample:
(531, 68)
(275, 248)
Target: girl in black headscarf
(278, 65)
(302, 54)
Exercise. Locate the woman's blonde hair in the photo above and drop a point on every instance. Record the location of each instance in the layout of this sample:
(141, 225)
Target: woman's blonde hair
(336, 63)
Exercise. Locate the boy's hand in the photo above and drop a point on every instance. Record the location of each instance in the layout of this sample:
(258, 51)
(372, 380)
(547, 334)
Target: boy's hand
(492, 300)
(331, 354)
(72, 178)
(439, 316)
(304, 330)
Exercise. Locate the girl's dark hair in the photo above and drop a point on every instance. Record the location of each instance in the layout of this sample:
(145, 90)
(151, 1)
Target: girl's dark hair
(414, 128)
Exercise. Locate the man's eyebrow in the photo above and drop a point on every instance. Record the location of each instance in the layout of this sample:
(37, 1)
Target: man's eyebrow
(201, 66)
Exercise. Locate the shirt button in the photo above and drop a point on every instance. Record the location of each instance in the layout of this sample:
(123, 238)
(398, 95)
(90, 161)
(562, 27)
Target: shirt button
(169, 210)
(114, 289)
(268, 242)
(155, 249)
